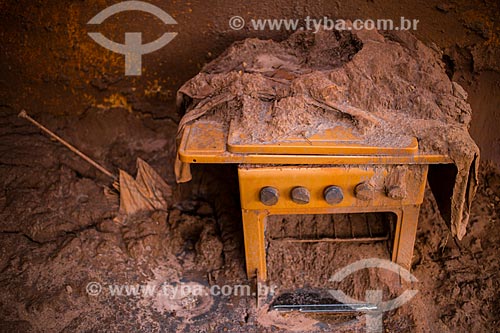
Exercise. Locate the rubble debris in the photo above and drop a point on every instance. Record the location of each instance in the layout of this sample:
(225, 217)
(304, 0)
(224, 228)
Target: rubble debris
(147, 192)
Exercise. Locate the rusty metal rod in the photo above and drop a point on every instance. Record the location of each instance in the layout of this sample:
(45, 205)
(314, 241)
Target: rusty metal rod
(24, 114)
(332, 240)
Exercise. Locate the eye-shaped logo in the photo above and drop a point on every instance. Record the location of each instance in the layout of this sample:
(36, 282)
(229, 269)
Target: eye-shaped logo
(133, 49)
(374, 297)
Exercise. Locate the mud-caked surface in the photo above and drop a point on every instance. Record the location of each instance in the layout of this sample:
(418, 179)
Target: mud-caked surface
(62, 246)
(58, 236)
(382, 88)
(57, 231)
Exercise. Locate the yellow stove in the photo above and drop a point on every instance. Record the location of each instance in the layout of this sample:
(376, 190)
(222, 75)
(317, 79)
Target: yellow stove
(332, 172)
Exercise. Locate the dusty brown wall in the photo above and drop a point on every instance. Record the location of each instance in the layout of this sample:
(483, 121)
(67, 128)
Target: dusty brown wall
(48, 64)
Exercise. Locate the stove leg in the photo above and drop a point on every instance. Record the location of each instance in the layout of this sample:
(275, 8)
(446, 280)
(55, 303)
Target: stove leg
(254, 223)
(404, 243)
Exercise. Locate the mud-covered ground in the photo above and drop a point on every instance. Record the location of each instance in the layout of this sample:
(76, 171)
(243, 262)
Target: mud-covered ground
(56, 224)
(58, 235)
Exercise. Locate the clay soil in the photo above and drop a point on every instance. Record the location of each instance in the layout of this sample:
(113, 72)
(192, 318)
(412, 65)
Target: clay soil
(58, 235)
(57, 232)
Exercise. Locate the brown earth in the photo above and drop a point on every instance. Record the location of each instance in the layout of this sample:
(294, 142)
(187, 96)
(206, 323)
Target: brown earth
(58, 235)
(56, 227)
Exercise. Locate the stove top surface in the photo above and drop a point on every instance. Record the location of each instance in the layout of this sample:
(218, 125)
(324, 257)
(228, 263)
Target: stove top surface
(335, 141)
(213, 142)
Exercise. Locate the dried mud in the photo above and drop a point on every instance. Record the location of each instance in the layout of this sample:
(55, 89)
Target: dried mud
(384, 87)
(56, 228)
(199, 242)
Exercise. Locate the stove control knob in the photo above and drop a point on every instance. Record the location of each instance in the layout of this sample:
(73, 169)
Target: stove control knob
(269, 196)
(364, 191)
(333, 195)
(301, 195)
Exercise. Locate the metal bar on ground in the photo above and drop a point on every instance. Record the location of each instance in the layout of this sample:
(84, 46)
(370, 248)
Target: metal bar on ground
(325, 308)
(24, 114)
(358, 239)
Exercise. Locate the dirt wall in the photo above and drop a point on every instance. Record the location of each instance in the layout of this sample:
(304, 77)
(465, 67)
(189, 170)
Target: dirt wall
(49, 65)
